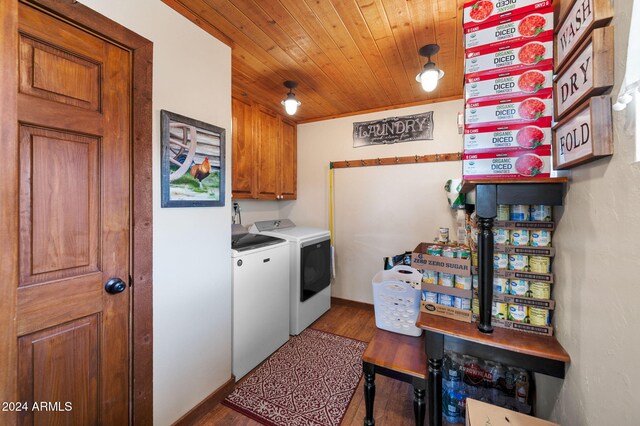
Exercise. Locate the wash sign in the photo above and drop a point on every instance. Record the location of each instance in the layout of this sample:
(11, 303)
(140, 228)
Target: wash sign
(394, 129)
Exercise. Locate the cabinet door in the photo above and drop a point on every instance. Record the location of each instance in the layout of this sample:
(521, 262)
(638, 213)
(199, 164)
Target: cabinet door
(267, 127)
(288, 163)
(243, 166)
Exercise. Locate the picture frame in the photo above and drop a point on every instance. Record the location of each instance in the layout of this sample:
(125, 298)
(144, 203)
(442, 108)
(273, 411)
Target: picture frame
(192, 163)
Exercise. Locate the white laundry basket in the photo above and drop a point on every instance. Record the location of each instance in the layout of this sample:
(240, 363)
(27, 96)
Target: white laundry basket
(396, 299)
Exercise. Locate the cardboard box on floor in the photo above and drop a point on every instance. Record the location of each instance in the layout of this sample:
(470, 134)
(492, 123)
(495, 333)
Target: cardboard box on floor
(483, 414)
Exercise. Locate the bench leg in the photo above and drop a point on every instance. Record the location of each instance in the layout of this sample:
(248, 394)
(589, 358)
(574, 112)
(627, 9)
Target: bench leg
(369, 392)
(419, 406)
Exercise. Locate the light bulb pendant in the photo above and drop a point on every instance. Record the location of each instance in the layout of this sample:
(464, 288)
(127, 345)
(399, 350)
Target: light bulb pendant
(430, 74)
(290, 103)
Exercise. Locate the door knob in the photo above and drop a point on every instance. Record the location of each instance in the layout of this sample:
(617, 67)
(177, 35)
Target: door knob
(115, 285)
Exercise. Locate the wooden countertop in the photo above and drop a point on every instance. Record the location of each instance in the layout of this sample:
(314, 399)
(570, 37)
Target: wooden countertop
(397, 352)
(516, 341)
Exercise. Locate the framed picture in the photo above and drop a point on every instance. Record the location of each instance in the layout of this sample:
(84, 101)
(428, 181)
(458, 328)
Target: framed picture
(193, 166)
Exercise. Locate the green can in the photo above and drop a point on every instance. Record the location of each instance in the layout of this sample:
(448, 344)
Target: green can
(540, 290)
(464, 252)
(502, 212)
(539, 264)
(539, 316)
(434, 250)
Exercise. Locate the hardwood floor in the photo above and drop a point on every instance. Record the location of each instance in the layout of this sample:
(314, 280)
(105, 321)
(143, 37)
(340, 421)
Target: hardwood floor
(394, 399)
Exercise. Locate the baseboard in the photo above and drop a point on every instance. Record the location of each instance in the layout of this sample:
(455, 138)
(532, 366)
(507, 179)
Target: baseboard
(207, 404)
(351, 303)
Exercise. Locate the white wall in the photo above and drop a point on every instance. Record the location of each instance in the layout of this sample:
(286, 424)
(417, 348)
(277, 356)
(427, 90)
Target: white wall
(379, 211)
(598, 244)
(191, 246)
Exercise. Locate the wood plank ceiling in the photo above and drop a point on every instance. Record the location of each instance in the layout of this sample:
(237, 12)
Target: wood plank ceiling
(348, 56)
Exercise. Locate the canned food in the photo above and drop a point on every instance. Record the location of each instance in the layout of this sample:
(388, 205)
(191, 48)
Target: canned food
(519, 288)
(500, 286)
(518, 262)
(434, 250)
(475, 306)
(449, 252)
(518, 313)
(540, 238)
(429, 277)
(474, 258)
(463, 282)
(540, 290)
(445, 300)
(500, 236)
(500, 261)
(464, 252)
(502, 212)
(540, 212)
(429, 296)
(540, 264)
(499, 310)
(520, 237)
(539, 316)
(446, 280)
(519, 212)
(462, 303)
(443, 235)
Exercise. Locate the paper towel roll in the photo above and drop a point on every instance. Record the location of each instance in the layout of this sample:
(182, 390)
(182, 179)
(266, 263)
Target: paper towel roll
(454, 197)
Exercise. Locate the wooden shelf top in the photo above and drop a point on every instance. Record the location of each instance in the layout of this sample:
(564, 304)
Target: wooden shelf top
(546, 347)
(469, 184)
(397, 352)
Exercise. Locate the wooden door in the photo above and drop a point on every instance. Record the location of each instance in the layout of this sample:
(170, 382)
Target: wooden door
(289, 158)
(243, 156)
(267, 128)
(74, 153)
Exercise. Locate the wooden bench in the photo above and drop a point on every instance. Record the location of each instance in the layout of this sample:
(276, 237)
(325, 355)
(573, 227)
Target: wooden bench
(400, 357)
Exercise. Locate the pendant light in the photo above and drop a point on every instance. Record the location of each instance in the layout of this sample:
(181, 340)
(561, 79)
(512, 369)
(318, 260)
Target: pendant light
(290, 103)
(430, 74)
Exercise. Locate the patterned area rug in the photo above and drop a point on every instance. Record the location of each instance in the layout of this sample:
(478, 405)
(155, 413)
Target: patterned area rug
(308, 381)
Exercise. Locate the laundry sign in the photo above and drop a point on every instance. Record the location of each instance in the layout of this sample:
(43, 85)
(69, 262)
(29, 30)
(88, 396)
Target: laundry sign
(587, 73)
(393, 129)
(576, 23)
(584, 135)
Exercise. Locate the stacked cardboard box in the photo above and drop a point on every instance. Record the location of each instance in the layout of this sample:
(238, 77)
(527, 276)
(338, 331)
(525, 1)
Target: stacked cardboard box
(508, 88)
(439, 266)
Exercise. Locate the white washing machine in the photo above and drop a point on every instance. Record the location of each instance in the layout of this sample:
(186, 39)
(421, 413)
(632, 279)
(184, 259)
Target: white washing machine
(310, 269)
(260, 298)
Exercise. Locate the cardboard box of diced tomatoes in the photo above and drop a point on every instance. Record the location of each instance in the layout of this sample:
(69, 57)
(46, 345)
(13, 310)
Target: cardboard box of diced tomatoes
(509, 57)
(535, 163)
(528, 81)
(512, 29)
(481, 11)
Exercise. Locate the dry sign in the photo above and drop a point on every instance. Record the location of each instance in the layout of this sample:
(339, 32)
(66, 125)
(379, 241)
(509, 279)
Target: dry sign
(577, 22)
(584, 135)
(588, 72)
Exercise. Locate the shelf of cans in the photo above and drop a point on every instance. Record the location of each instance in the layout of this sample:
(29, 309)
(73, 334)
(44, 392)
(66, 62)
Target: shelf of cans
(435, 284)
(522, 267)
(465, 376)
(508, 88)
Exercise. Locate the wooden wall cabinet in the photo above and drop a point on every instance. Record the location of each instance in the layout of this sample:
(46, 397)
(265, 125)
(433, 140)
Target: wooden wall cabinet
(264, 153)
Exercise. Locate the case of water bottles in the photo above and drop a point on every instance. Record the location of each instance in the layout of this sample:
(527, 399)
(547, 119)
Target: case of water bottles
(396, 299)
(465, 376)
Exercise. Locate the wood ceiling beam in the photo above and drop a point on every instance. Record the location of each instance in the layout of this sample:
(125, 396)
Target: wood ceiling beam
(185, 11)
